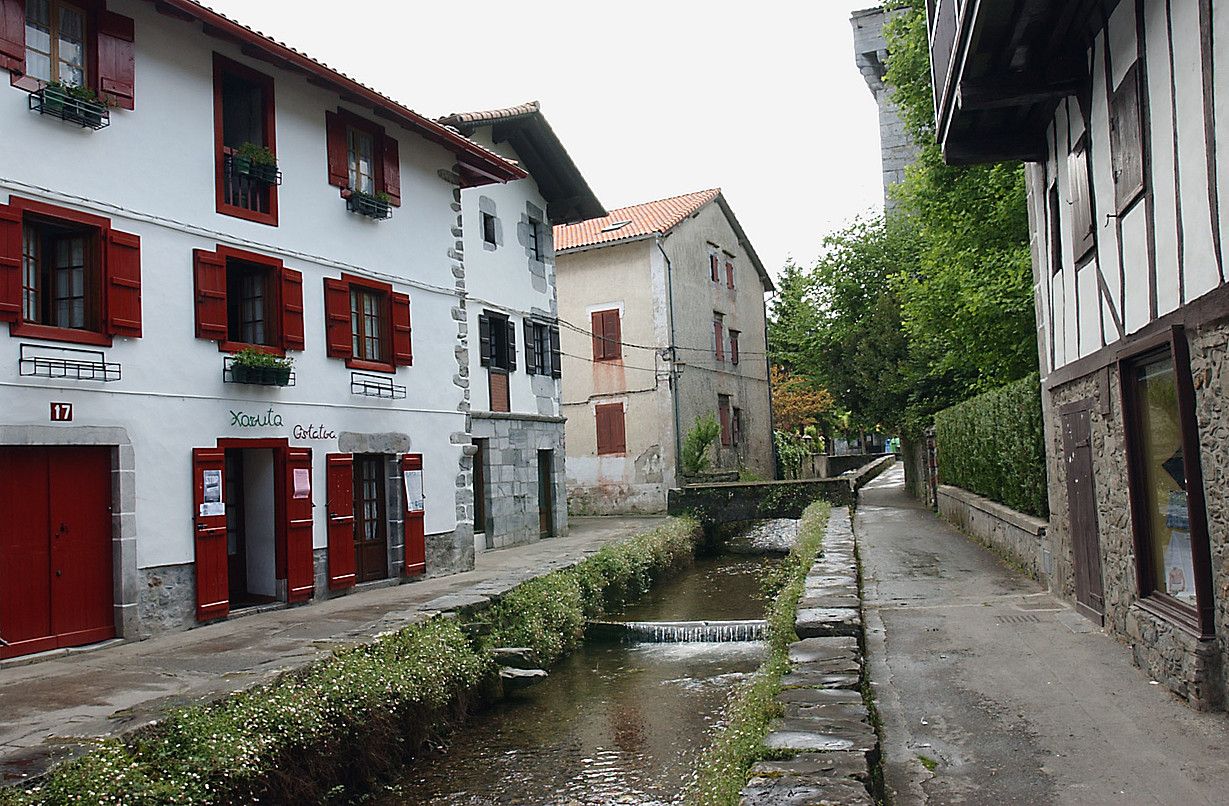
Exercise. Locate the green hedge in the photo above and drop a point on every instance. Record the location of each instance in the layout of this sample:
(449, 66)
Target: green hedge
(994, 445)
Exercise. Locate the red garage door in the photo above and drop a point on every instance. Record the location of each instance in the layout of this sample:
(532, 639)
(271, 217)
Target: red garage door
(55, 548)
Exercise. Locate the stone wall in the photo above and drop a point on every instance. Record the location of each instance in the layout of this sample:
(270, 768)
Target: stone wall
(1019, 537)
(166, 600)
(513, 442)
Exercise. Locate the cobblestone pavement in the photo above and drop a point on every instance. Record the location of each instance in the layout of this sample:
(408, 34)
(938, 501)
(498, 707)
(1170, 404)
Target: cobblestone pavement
(1009, 694)
(47, 708)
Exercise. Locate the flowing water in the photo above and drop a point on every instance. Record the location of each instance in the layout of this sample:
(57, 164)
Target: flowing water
(617, 721)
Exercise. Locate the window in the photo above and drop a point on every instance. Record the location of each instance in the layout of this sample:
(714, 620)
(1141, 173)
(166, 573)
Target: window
(247, 299)
(1082, 236)
(723, 414)
(488, 229)
(535, 240)
(361, 156)
(714, 268)
(607, 335)
(542, 354)
(1167, 505)
(370, 518)
(1056, 231)
(1126, 140)
(67, 275)
(719, 335)
(611, 435)
(367, 323)
(737, 426)
(496, 341)
(78, 44)
(734, 334)
(729, 272)
(243, 116)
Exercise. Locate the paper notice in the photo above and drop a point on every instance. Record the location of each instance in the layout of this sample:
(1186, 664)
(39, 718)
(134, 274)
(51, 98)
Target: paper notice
(302, 483)
(415, 500)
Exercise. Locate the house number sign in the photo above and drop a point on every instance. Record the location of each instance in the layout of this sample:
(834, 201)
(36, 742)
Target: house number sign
(61, 412)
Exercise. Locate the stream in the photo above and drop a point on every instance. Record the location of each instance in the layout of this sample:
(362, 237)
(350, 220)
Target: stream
(616, 721)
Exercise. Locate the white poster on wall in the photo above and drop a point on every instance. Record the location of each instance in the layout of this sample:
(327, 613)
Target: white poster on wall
(302, 483)
(211, 502)
(414, 497)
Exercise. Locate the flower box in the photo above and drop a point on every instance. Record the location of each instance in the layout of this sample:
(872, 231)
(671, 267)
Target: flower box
(70, 106)
(261, 376)
(368, 205)
(262, 172)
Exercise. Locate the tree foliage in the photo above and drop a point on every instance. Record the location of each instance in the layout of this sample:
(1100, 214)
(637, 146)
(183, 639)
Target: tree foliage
(695, 457)
(796, 401)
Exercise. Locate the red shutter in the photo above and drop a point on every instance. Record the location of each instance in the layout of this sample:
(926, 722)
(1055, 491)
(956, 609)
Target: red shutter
(415, 523)
(300, 565)
(403, 344)
(723, 410)
(209, 269)
(618, 433)
(714, 272)
(13, 35)
(292, 310)
(613, 333)
(335, 148)
(392, 171)
(733, 347)
(611, 436)
(10, 261)
(124, 284)
(339, 483)
(116, 59)
(719, 337)
(595, 328)
(601, 429)
(337, 331)
(212, 581)
(729, 274)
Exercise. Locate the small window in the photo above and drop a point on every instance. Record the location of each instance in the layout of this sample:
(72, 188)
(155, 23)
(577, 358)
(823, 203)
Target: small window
(59, 282)
(360, 159)
(723, 414)
(714, 268)
(245, 298)
(542, 353)
(488, 229)
(1082, 236)
(535, 240)
(243, 110)
(607, 332)
(1126, 140)
(369, 324)
(719, 335)
(611, 433)
(729, 273)
(250, 303)
(734, 334)
(56, 42)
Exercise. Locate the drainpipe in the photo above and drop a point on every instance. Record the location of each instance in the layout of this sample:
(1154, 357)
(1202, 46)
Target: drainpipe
(674, 397)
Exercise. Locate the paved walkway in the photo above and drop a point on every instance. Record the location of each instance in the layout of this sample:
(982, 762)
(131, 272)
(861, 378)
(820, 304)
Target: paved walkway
(1010, 694)
(47, 707)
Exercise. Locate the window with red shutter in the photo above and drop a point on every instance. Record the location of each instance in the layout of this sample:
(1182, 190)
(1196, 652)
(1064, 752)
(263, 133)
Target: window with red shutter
(13, 35)
(729, 274)
(403, 347)
(238, 92)
(209, 274)
(723, 412)
(611, 436)
(719, 335)
(361, 156)
(71, 45)
(607, 335)
(734, 334)
(292, 310)
(123, 270)
(367, 324)
(116, 60)
(246, 299)
(714, 268)
(10, 261)
(391, 179)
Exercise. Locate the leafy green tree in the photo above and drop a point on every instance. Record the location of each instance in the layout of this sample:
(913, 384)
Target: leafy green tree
(695, 457)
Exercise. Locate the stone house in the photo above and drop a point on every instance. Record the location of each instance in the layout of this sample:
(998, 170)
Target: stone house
(520, 491)
(1117, 109)
(232, 204)
(665, 302)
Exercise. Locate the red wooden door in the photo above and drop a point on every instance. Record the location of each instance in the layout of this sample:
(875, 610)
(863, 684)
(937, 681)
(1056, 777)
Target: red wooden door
(339, 481)
(415, 522)
(55, 548)
(300, 567)
(209, 514)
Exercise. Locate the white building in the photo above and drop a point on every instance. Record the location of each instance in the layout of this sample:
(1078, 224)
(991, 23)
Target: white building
(520, 492)
(147, 482)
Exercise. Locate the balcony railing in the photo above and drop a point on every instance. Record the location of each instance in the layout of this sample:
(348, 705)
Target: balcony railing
(66, 363)
(246, 190)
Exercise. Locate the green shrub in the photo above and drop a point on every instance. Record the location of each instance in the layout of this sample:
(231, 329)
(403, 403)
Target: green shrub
(994, 445)
(699, 439)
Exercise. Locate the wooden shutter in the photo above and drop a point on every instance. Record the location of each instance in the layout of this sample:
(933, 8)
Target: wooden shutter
(212, 580)
(719, 337)
(337, 333)
(403, 344)
(723, 411)
(532, 356)
(714, 272)
(339, 490)
(729, 274)
(336, 150)
(595, 329)
(556, 354)
(613, 333)
(123, 273)
(484, 340)
(733, 346)
(511, 357)
(209, 269)
(611, 436)
(13, 35)
(10, 259)
(116, 59)
(415, 523)
(391, 175)
(292, 310)
(300, 564)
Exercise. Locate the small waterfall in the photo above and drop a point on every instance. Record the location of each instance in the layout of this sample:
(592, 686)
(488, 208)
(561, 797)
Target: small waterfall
(670, 632)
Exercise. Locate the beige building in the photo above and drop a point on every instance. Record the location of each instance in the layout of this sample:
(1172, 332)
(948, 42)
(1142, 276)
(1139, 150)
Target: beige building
(666, 306)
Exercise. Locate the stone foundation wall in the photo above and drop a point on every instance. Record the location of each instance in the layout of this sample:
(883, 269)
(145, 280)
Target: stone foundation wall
(513, 442)
(166, 600)
(617, 499)
(1021, 538)
(1193, 669)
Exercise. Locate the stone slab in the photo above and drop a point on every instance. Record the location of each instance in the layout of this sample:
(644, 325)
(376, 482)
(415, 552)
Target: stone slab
(791, 791)
(827, 712)
(811, 735)
(824, 649)
(840, 764)
(826, 621)
(810, 678)
(829, 600)
(816, 696)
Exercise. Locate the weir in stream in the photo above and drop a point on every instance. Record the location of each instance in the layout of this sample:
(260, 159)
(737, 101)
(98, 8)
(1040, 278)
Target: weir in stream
(625, 717)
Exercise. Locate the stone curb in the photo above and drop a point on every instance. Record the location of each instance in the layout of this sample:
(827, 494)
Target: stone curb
(826, 728)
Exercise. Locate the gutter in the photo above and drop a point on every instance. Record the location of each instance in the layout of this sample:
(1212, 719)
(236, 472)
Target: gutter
(674, 397)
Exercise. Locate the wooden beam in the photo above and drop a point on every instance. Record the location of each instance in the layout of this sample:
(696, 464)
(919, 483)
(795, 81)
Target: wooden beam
(1014, 92)
(986, 148)
(171, 11)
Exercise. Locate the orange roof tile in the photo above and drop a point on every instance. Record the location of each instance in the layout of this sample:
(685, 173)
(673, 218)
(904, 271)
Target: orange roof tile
(637, 221)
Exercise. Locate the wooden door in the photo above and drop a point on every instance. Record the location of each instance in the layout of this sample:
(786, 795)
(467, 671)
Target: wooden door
(339, 483)
(370, 532)
(25, 552)
(300, 563)
(480, 502)
(82, 585)
(209, 516)
(1082, 513)
(415, 520)
(546, 494)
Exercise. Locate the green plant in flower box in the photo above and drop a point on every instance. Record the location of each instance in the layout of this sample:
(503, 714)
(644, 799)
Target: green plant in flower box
(251, 365)
(257, 162)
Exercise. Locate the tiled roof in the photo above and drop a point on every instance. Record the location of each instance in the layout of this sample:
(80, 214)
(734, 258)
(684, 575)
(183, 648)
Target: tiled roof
(637, 221)
(463, 119)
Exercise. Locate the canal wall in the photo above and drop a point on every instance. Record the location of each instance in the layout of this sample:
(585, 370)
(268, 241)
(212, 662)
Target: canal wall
(827, 733)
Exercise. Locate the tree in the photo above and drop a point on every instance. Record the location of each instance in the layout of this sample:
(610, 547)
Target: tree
(796, 401)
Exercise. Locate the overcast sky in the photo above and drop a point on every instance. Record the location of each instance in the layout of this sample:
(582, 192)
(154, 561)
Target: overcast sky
(651, 99)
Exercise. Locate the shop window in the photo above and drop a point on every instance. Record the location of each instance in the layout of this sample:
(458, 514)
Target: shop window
(1127, 141)
(67, 275)
(367, 323)
(734, 334)
(542, 353)
(1168, 514)
(723, 414)
(607, 330)
(611, 432)
(44, 41)
(247, 299)
(719, 335)
(243, 125)
(362, 158)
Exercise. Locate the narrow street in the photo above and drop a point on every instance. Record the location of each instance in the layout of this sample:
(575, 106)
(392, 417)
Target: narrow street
(1008, 693)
